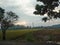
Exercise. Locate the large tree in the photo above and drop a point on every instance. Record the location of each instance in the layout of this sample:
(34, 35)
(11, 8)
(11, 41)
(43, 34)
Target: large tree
(48, 8)
(7, 19)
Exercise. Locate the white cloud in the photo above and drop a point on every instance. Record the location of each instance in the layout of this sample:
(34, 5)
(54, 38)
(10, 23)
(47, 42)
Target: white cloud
(9, 2)
(27, 7)
(21, 23)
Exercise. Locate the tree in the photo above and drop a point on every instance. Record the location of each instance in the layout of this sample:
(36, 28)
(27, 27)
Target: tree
(48, 8)
(7, 19)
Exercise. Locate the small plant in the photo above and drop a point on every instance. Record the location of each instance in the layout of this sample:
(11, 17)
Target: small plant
(50, 37)
(29, 37)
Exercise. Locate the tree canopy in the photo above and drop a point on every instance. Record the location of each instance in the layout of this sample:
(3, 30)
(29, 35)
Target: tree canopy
(48, 8)
(7, 18)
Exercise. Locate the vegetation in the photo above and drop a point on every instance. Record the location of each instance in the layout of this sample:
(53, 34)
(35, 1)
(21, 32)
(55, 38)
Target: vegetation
(48, 8)
(13, 34)
(32, 35)
(7, 19)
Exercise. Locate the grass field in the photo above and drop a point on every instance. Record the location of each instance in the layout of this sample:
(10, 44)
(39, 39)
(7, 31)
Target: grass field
(31, 37)
(33, 34)
(15, 33)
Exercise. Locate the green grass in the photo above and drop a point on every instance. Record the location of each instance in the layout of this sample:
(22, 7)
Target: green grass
(15, 33)
(29, 34)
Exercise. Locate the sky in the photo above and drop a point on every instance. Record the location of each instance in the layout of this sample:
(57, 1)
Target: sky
(24, 9)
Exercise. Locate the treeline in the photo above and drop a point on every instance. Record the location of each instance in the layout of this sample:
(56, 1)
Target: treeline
(16, 27)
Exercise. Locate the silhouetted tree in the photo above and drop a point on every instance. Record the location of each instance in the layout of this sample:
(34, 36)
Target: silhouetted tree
(47, 8)
(7, 19)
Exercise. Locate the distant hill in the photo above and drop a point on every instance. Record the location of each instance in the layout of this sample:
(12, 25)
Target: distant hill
(17, 27)
(39, 27)
(57, 26)
(54, 26)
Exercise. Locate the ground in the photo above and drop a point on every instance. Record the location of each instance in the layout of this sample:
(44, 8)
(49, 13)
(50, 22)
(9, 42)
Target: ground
(24, 43)
(31, 37)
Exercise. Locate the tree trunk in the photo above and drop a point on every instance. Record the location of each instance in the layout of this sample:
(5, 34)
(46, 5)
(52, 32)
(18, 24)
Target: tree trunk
(4, 34)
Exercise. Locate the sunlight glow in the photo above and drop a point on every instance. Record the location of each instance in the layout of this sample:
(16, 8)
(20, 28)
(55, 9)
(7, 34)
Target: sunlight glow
(21, 23)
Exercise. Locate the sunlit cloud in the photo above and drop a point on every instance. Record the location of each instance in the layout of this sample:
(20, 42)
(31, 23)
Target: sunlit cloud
(21, 23)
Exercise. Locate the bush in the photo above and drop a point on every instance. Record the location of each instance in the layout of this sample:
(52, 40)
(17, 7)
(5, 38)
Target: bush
(29, 37)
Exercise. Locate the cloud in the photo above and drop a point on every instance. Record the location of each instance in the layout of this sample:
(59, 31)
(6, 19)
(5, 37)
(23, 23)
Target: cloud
(9, 2)
(25, 9)
(25, 6)
(21, 23)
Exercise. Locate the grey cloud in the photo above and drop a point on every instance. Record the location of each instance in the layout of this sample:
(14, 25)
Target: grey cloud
(13, 5)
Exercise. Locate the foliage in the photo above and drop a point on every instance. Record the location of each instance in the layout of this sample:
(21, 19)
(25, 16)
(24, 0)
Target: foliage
(48, 8)
(7, 19)
(29, 37)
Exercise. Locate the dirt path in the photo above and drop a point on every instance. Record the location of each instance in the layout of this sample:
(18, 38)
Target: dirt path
(17, 43)
(22, 43)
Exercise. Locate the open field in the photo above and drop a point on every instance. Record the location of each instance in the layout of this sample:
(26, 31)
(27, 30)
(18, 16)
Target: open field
(15, 33)
(33, 34)
(31, 37)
